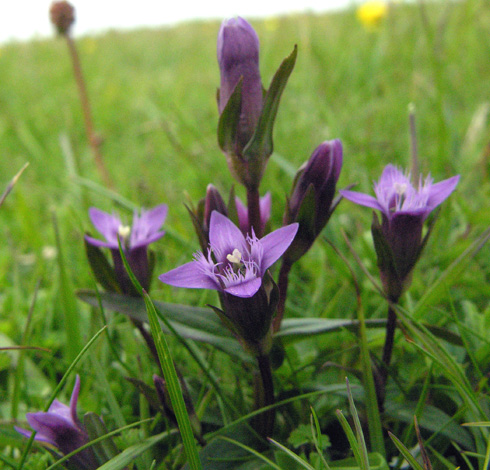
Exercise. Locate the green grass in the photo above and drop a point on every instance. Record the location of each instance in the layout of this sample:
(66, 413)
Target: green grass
(153, 100)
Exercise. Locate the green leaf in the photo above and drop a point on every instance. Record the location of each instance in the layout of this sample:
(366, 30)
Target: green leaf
(196, 323)
(220, 454)
(432, 419)
(261, 143)
(129, 455)
(449, 276)
(101, 268)
(229, 119)
(303, 435)
(298, 328)
(291, 454)
(169, 372)
(304, 327)
(173, 386)
(105, 449)
(405, 452)
(376, 462)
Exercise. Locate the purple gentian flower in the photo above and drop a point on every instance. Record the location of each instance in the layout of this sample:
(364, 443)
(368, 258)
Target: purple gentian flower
(61, 428)
(234, 264)
(134, 241)
(265, 205)
(404, 209)
(238, 58)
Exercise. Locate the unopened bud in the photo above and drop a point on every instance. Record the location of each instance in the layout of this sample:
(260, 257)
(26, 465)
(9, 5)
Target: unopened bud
(62, 16)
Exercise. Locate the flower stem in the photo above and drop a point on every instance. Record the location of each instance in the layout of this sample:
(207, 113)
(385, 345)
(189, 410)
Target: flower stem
(93, 139)
(253, 203)
(283, 290)
(387, 353)
(264, 396)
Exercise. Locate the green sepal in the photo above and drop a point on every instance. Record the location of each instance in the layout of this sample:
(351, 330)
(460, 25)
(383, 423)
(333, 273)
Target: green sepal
(273, 294)
(430, 226)
(306, 232)
(277, 353)
(101, 268)
(384, 253)
(229, 119)
(151, 266)
(226, 321)
(231, 206)
(260, 146)
(105, 449)
(197, 218)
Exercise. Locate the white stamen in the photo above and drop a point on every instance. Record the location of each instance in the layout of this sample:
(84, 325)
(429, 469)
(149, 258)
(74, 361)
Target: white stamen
(123, 231)
(235, 257)
(400, 188)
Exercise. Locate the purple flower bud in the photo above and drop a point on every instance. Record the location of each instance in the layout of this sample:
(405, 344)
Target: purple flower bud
(311, 200)
(61, 428)
(404, 209)
(265, 204)
(238, 58)
(213, 202)
(134, 240)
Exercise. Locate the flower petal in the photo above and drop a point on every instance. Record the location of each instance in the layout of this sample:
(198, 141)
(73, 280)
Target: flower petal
(245, 289)
(106, 224)
(439, 192)
(224, 236)
(337, 157)
(147, 224)
(242, 213)
(390, 174)
(275, 244)
(150, 239)
(362, 199)
(49, 426)
(190, 275)
(265, 208)
(96, 242)
(74, 400)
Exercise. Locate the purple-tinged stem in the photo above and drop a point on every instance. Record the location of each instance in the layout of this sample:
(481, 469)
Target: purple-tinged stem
(387, 353)
(93, 139)
(253, 203)
(283, 291)
(264, 396)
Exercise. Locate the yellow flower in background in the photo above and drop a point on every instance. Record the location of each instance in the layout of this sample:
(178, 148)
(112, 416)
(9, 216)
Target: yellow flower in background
(372, 12)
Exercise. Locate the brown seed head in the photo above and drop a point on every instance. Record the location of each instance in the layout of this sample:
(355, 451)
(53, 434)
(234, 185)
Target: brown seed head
(62, 16)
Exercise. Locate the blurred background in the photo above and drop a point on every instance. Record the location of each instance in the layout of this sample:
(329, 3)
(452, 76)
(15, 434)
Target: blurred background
(29, 18)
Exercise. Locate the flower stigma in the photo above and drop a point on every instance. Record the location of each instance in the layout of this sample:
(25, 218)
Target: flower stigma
(400, 188)
(124, 231)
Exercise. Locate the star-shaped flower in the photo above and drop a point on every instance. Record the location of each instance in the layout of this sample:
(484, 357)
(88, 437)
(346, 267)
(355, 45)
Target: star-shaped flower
(144, 230)
(234, 264)
(404, 208)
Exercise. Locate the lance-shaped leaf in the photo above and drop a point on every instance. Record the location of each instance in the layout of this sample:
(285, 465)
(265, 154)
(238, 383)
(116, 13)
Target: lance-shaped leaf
(260, 145)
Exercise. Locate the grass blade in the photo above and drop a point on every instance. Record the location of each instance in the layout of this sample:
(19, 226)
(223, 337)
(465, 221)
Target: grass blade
(169, 373)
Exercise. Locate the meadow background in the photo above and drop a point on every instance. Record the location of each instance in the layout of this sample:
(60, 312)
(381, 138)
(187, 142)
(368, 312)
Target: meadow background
(153, 96)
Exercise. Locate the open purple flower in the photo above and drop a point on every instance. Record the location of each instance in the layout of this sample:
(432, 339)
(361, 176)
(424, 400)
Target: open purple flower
(404, 209)
(265, 213)
(134, 241)
(61, 428)
(234, 264)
